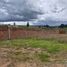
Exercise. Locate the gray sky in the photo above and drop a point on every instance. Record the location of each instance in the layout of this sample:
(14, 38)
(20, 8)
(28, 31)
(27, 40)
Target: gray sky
(38, 10)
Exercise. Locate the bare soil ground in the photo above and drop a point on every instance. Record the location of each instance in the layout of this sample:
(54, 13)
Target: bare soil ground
(8, 59)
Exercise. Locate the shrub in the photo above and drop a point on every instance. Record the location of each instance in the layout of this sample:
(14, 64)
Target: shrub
(61, 31)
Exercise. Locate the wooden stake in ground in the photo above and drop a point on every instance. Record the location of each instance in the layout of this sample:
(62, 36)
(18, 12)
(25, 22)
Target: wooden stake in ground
(9, 36)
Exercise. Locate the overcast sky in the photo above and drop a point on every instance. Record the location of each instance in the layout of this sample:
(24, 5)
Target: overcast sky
(38, 11)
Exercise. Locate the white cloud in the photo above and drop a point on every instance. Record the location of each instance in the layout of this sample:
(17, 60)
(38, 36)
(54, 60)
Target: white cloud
(33, 9)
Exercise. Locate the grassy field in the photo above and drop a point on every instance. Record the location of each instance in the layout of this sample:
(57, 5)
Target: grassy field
(32, 51)
(41, 49)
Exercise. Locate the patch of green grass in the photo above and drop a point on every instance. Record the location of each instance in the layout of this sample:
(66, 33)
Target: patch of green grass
(51, 46)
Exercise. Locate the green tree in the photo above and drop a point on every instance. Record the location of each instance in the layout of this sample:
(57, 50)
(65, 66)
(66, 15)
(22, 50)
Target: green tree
(27, 24)
(61, 26)
(47, 26)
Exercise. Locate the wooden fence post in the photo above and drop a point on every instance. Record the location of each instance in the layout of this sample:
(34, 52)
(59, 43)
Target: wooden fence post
(9, 32)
